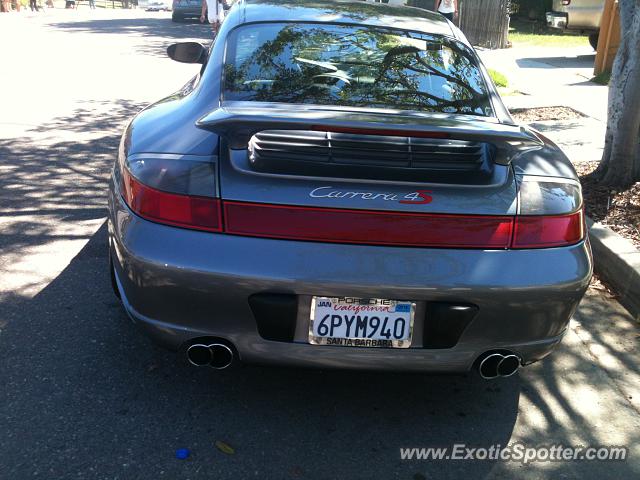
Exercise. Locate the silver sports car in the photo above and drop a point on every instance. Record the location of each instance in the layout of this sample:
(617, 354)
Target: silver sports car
(341, 186)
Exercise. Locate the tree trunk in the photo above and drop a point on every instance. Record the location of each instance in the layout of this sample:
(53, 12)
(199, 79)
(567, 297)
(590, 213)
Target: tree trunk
(620, 166)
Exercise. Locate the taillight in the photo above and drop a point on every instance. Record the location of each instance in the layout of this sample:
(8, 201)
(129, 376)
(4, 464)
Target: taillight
(372, 227)
(182, 192)
(172, 191)
(548, 231)
(550, 213)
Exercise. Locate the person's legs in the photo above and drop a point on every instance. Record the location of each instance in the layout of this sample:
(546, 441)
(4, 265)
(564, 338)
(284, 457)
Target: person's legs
(448, 16)
(33, 5)
(215, 26)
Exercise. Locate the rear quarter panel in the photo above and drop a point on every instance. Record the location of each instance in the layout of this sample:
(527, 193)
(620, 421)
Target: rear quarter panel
(547, 161)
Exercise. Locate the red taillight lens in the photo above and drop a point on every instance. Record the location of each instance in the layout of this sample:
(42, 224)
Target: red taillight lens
(201, 213)
(182, 193)
(367, 227)
(548, 231)
(352, 226)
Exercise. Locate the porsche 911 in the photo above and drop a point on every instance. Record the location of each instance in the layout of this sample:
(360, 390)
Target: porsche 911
(341, 186)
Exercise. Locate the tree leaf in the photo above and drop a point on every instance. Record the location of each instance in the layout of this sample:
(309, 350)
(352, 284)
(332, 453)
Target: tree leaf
(224, 447)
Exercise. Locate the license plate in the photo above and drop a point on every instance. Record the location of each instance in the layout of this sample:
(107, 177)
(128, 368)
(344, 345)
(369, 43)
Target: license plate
(361, 322)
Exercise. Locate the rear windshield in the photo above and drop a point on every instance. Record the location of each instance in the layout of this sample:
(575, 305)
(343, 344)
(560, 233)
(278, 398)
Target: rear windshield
(357, 66)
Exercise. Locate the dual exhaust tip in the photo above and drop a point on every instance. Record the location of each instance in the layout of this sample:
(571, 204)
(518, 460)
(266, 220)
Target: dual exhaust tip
(215, 355)
(220, 356)
(495, 365)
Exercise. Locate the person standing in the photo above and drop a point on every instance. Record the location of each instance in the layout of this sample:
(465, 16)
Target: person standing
(213, 11)
(33, 5)
(447, 8)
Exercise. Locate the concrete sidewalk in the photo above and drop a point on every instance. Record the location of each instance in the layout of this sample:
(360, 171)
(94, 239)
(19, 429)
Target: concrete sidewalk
(544, 77)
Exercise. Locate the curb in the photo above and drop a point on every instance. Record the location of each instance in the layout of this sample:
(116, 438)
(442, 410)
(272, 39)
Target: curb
(617, 261)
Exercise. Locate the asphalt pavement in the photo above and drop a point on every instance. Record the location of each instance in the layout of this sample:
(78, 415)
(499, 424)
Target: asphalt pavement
(84, 395)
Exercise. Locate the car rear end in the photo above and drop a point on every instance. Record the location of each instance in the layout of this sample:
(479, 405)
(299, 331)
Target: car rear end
(361, 210)
(183, 9)
(580, 15)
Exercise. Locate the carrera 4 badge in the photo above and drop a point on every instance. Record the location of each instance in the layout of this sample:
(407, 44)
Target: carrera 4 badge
(419, 197)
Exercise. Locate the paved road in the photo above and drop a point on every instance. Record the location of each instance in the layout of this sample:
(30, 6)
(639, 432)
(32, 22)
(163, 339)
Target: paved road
(83, 395)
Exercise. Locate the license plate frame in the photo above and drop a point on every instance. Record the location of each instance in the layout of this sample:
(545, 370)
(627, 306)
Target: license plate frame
(352, 306)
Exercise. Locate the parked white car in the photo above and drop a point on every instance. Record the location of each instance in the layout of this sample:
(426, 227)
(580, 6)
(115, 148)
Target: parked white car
(157, 6)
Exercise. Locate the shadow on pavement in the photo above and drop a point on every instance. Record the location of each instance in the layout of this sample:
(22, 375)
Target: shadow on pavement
(616, 334)
(556, 125)
(581, 61)
(110, 404)
(157, 32)
(585, 83)
(146, 27)
(100, 400)
(57, 172)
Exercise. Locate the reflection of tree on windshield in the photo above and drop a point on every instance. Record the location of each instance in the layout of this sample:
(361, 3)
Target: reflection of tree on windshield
(353, 66)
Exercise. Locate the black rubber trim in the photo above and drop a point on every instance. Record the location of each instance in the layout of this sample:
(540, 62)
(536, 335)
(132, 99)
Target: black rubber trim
(275, 315)
(444, 323)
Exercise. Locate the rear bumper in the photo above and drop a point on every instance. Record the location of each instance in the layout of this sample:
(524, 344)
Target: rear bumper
(180, 284)
(557, 20)
(582, 19)
(187, 11)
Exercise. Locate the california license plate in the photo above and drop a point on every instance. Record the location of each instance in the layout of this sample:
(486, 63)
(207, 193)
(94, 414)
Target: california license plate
(361, 322)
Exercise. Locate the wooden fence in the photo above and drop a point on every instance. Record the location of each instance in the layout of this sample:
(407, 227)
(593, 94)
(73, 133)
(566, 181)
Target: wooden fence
(609, 38)
(485, 22)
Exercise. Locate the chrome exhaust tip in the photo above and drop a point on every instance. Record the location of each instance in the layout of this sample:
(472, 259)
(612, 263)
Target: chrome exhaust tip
(199, 355)
(221, 356)
(488, 367)
(508, 365)
(215, 355)
(495, 365)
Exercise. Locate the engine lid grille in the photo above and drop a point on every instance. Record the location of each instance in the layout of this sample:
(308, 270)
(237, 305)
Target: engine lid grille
(271, 147)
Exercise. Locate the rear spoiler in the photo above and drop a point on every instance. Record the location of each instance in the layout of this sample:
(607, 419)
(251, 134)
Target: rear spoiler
(239, 122)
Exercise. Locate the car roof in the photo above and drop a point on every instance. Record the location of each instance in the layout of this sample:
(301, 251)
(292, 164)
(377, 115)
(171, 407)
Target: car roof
(344, 11)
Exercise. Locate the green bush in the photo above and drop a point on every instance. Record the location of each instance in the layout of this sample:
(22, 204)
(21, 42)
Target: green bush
(602, 78)
(498, 78)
